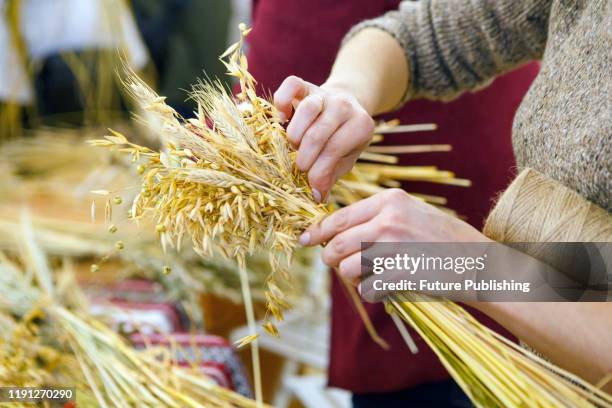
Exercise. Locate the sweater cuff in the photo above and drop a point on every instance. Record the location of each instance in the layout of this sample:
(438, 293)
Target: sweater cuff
(392, 24)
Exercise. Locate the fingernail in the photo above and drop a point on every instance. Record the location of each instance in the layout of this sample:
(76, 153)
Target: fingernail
(305, 238)
(317, 195)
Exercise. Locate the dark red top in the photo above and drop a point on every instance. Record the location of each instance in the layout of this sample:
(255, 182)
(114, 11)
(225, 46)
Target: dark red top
(292, 37)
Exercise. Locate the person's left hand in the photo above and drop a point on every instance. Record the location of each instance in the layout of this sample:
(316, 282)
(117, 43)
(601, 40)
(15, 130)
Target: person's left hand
(390, 216)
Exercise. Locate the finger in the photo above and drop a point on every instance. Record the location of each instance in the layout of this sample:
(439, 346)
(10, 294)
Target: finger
(348, 138)
(305, 115)
(348, 242)
(324, 176)
(368, 291)
(337, 158)
(321, 176)
(347, 163)
(318, 134)
(347, 217)
(292, 88)
(350, 268)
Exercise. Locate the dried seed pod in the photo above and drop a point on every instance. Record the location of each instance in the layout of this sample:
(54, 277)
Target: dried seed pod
(270, 328)
(246, 340)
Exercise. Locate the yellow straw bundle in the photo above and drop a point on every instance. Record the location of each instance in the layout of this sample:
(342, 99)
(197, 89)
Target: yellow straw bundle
(489, 368)
(227, 182)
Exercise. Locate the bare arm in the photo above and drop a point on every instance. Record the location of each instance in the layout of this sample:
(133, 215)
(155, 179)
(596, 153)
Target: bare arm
(436, 49)
(576, 336)
(372, 67)
(332, 124)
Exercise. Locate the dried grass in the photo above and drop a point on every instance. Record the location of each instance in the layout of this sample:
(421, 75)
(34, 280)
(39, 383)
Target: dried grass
(49, 339)
(226, 182)
(492, 370)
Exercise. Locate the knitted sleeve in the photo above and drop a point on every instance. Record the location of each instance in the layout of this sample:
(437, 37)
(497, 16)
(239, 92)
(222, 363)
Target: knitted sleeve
(459, 45)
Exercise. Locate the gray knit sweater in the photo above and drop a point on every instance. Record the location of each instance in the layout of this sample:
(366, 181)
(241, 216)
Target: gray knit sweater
(563, 127)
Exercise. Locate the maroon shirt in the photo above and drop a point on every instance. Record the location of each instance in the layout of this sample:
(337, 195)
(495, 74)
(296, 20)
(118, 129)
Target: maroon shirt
(292, 37)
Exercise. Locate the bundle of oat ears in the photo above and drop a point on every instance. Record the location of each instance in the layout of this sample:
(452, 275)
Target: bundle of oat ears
(227, 181)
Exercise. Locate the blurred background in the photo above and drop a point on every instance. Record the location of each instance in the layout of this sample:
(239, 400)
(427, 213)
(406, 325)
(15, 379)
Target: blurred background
(59, 59)
(59, 87)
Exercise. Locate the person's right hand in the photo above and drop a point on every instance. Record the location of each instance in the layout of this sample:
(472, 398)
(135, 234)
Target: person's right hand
(329, 128)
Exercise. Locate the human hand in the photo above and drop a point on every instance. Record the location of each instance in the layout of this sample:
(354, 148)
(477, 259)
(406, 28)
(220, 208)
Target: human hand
(390, 216)
(329, 127)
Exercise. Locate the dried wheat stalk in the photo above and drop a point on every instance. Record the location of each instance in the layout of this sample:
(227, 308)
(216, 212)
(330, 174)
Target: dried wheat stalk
(227, 182)
(493, 371)
(48, 338)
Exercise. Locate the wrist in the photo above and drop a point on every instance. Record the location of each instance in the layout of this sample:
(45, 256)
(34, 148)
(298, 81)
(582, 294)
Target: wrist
(338, 85)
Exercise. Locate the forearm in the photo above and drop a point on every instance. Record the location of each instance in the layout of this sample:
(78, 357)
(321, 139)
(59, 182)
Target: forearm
(575, 336)
(372, 67)
(438, 49)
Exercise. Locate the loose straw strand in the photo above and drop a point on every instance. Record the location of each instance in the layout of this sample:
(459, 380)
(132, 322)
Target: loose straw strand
(252, 324)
